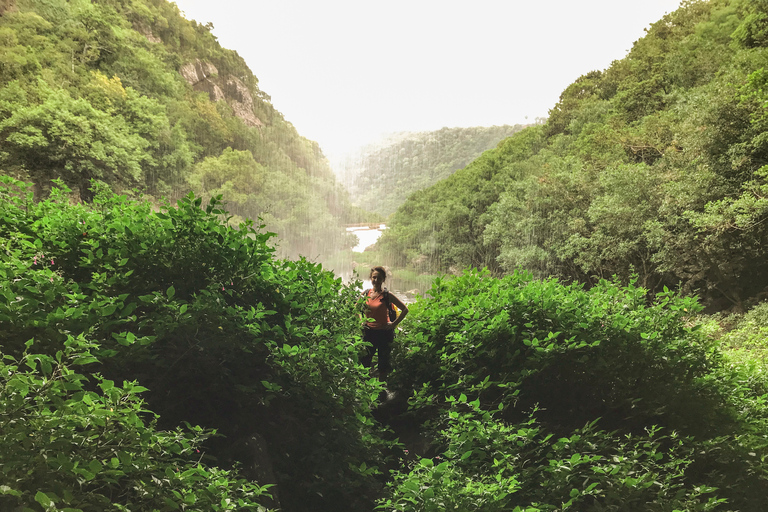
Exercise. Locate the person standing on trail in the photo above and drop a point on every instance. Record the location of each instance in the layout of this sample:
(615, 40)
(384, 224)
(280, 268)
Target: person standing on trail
(379, 327)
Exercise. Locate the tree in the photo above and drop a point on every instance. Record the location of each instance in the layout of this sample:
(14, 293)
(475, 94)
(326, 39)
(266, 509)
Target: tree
(235, 174)
(67, 137)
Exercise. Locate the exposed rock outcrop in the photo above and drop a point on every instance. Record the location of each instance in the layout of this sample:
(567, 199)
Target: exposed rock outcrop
(147, 32)
(6, 6)
(198, 71)
(204, 77)
(239, 98)
(213, 90)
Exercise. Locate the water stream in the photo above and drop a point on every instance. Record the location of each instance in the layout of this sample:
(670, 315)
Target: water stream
(404, 289)
(367, 236)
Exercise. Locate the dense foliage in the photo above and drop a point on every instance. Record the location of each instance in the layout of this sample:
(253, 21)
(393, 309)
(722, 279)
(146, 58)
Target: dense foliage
(655, 166)
(67, 447)
(121, 327)
(222, 334)
(544, 396)
(382, 176)
(134, 95)
(161, 357)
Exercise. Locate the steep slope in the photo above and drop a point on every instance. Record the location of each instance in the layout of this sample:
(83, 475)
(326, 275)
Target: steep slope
(134, 95)
(655, 166)
(382, 176)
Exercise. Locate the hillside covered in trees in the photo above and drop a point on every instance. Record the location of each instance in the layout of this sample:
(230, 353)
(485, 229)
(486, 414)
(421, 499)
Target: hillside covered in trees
(132, 94)
(655, 166)
(382, 176)
(161, 357)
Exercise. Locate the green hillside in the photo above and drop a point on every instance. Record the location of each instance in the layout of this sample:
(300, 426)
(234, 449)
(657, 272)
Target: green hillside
(654, 166)
(382, 176)
(162, 356)
(132, 94)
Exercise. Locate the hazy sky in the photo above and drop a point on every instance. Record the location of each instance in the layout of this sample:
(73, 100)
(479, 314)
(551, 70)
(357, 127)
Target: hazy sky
(346, 71)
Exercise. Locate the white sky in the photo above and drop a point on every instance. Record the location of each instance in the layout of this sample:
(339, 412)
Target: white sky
(345, 72)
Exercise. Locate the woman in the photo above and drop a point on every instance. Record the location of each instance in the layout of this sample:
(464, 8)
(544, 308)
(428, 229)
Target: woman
(378, 330)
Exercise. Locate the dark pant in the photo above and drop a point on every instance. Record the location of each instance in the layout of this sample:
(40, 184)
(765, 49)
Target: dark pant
(381, 340)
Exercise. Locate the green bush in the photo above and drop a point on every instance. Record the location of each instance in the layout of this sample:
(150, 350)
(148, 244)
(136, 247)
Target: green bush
(490, 465)
(222, 334)
(667, 419)
(67, 447)
(581, 354)
(750, 333)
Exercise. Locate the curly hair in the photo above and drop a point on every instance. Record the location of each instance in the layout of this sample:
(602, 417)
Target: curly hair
(381, 271)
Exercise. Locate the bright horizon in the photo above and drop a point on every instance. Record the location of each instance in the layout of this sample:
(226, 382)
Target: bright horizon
(346, 72)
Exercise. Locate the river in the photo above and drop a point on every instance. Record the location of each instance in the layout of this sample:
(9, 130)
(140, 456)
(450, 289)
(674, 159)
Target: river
(367, 236)
(404, 289)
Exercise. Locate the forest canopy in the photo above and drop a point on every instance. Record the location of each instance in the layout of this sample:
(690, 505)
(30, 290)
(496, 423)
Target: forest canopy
(134, 95)
(161, 354)
(381, 176)
(655, 166)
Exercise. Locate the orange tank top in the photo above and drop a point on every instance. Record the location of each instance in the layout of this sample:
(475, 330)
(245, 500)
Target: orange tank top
(377, 310)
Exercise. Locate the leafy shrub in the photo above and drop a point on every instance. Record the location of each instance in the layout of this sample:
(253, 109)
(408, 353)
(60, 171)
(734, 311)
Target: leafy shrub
(222, 334)
(610, 358)
(67, 447)
(750, 333)
(579, 353)
(493, 466)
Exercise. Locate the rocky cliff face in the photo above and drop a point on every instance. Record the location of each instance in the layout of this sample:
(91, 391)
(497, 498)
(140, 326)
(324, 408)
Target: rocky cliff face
(6, 5)
(147, 32)
(239, 98)
(204, 77)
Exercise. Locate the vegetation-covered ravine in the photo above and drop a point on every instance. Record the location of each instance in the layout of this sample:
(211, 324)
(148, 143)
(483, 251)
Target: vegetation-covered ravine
(381, 176)
(655, 166)
(160, 352)
(130, 335)
(132, 94)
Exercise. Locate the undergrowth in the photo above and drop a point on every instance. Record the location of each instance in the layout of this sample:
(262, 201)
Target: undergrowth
(165, 360)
